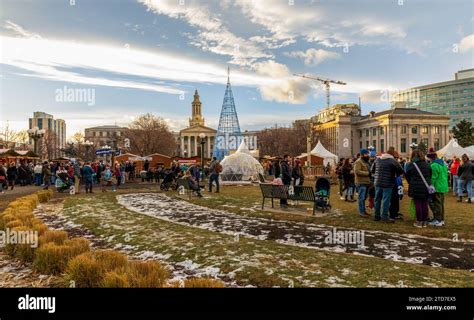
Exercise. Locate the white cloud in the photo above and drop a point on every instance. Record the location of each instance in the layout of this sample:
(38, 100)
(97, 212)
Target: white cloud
(467, 43)
(18, 30)
(272, 69)
(212, 34)
(313, 56)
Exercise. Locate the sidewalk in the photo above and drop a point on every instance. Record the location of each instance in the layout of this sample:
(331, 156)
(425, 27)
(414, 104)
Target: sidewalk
(9, 195)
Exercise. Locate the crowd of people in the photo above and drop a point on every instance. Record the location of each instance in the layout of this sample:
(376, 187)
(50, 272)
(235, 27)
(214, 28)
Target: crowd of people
(379, 181)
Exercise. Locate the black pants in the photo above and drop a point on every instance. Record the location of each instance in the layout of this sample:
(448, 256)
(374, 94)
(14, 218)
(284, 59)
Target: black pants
(394, 203)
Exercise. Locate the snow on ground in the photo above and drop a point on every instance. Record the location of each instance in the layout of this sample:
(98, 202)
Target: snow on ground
(388, 245)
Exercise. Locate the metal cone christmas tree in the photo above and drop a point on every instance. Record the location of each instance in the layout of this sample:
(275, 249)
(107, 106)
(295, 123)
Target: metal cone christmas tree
(228, 135)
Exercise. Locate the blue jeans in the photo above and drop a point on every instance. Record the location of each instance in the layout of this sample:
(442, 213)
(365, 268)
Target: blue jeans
(38, 179)
(214, 177)
(456, 182)
(465, 185)
(362, 192)
(382, 201)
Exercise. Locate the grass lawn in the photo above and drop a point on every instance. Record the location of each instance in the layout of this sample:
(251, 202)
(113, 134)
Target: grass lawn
(250, 261)
(247, 200)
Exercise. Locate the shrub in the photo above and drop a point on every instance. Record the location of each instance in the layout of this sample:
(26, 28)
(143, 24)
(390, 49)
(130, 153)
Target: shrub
(44, 196)
(203, 283)
(52, 258)
(115, 279)
(25, 216)
(13, 224)
(110, 260)
(40, 227)
(25, 251)
(147, 274)
(85, 271)
(56, 236)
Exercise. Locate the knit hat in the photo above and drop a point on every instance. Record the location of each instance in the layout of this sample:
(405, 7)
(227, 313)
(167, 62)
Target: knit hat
(364, 152)
(432, 154)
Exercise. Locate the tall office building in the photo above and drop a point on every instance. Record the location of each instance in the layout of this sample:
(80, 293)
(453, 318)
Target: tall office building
(454, 98)
(55, 136)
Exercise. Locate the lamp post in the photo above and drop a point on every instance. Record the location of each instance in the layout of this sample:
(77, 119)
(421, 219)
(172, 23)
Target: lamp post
(202, 136)
(36, 134)
(88, 144)
(106, 148)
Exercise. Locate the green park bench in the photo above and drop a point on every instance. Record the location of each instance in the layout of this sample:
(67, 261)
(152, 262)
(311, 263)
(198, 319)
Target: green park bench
(300, 193)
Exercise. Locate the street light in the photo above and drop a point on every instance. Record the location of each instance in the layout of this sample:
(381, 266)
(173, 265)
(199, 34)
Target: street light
(202, 136)
(36, 134)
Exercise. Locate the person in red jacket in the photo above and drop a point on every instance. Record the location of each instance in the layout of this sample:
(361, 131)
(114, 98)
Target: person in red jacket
(453, 170)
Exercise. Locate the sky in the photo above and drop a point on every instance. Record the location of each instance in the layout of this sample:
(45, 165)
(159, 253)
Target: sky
(101, 62)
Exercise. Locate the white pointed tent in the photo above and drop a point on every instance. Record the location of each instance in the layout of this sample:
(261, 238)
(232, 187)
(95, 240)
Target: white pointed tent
(470, 149)
(241, 166)
(320, 151)
(453, 149)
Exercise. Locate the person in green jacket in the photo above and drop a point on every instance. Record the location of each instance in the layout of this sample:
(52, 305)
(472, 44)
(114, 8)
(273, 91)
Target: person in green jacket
(439, 180)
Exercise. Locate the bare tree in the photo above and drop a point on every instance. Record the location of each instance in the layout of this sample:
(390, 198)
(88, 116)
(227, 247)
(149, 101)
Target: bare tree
(277, 141)
(49, 145)
(23, 138)
(150, 134)
(8, 136)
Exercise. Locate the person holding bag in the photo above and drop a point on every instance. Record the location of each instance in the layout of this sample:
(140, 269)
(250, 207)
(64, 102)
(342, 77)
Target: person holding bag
(418, 175)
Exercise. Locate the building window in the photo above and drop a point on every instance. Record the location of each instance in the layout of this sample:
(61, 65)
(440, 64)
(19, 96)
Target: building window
(436, 129)
(360, 133)
(436, 144)
(403, 145)
(367, 144)
(424, 130)
(360, 144)
(414, 140)
(93, 133)
(374, 144)
(374, 132)
(381, 130)
(404, 130)
(40, 123)
(366, 132)
(414, 130)
(425, 142)
(382, 145)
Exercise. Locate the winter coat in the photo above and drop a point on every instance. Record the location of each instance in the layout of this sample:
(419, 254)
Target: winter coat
(465, 171)
(12, 173)
(385, 169)
(439, 176)
(46, 173)
(416, 187)
(285, 172)
(348, 176)
(87, 172)
(453, 168)
(23, 172)
(362, 171)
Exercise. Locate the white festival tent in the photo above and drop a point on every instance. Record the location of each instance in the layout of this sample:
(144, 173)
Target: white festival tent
(470, 149)
(453, 149)
(320, 151)
(241, 166)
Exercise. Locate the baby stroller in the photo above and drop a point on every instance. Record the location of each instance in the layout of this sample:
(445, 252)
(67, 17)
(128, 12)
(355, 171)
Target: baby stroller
(62, 183)
(323, 189)
(169, 181)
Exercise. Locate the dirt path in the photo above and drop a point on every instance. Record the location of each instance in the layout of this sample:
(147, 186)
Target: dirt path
(393, 246)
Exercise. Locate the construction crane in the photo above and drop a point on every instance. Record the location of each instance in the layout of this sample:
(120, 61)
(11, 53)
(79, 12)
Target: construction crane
(326, 83)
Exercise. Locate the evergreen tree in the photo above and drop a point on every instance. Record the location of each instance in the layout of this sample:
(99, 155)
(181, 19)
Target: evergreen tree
(464, 133)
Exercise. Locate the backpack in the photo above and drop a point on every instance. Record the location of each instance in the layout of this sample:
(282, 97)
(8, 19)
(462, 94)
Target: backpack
(218, 168)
